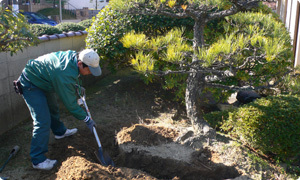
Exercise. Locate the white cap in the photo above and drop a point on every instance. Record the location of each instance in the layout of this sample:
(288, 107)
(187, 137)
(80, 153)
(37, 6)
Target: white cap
(91, 58)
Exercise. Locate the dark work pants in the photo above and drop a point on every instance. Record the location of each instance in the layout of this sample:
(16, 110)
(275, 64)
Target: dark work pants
(44, 112)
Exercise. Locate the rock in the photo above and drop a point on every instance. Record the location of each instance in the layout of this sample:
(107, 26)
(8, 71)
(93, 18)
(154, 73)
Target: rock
(245, 97)
(185, 136)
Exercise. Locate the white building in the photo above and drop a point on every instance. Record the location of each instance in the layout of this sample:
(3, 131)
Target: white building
(90, 4)
(288, 11)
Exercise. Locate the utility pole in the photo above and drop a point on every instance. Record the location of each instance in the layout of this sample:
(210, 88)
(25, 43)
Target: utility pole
(30, 5)
(60, 11)
(15, 6)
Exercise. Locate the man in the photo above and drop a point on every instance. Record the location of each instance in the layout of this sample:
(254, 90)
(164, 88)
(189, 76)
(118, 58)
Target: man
(40, 81)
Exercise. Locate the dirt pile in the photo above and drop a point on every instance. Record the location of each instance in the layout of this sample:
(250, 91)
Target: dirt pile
(77, 167)
(146, 135)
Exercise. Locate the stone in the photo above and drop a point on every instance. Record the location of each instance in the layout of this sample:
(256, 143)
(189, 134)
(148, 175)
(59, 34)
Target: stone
(245, 97)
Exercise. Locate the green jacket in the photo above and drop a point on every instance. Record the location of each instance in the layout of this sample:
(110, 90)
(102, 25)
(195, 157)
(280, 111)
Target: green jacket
(57, 72)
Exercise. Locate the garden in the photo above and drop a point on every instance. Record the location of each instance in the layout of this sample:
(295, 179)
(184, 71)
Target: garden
(158, 110)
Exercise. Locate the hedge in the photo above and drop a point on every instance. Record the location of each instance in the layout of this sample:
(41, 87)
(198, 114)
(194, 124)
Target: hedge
(270, 124)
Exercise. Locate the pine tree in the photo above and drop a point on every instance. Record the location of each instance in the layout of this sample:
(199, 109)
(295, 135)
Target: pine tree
(254, 49)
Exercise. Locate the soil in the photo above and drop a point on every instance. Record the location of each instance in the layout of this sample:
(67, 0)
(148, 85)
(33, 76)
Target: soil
(138, 126)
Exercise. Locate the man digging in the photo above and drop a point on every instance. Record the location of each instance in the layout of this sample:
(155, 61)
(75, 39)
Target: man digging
(40, 81)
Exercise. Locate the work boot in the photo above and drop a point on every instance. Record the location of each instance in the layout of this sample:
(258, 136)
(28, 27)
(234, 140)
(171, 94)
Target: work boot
(69, 132)
(46, 165)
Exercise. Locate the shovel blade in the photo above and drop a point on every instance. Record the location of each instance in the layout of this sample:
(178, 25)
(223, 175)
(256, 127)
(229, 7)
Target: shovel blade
(104, 158)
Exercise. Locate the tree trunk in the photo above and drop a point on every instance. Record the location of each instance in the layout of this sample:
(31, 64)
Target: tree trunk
(195, 85)
(198, 40)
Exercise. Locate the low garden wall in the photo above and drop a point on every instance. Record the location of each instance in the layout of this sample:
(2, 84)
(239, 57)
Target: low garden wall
(13, 108)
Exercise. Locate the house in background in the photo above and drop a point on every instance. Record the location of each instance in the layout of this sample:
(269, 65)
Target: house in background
(90, 4)
(35, 5)
(27, 5)
(84, 9)
(288, 11)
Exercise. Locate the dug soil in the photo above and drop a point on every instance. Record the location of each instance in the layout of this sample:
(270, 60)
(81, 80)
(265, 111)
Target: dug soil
(138, 126)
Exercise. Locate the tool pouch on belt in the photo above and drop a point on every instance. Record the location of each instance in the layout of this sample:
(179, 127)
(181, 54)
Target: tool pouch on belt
(17, 87)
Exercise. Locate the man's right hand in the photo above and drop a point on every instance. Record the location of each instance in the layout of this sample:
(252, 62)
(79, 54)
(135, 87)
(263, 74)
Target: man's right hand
(90, 124)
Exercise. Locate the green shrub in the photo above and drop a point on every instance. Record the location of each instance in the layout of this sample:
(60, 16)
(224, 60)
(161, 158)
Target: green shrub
(291, 83)
(110, 25)
(270, 124)
(70, 26)
(15, 32)
(86, 23)
(217, 118)
(42, 29)
(104, 35)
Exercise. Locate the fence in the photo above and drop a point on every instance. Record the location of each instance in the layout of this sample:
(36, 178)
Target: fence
(13, 109)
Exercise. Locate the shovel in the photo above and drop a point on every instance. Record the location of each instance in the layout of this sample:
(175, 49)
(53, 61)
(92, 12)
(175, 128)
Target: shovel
(12, 153)
(103, 158)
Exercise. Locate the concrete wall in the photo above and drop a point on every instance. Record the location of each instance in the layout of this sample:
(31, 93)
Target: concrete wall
(13, 108)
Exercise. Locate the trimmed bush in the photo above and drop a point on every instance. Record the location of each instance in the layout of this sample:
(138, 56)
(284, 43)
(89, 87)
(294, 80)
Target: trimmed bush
(270, 124)
(69, 26)
(217, 118)
(42, 29)
(86, 23)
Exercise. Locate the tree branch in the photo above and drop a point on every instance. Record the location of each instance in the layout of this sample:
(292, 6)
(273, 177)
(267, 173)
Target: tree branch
(235, 88)
(237, 6)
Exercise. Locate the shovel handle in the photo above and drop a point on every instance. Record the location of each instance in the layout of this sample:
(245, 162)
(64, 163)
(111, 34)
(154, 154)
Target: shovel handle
(15, 150)
(82, 97)
(97, 137)
(89, 114)
(12, 153)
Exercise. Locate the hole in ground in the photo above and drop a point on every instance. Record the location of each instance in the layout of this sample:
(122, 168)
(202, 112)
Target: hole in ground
(152, 149)
(143, 152)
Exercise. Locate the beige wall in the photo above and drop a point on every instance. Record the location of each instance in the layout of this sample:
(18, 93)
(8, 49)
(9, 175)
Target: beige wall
(13, 109)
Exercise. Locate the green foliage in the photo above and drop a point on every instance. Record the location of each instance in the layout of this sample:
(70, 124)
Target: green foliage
(42, 29)
(110, 25)
(245, 35)
(86, 23)
(158, 25)
(268, 36)
(173, 43)
(127, 4)
(269, 124)
(104, 35)
(291, 83)
(213, 31)
(14, 32)
(262, 8)
(217, 118)
(69, 26)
